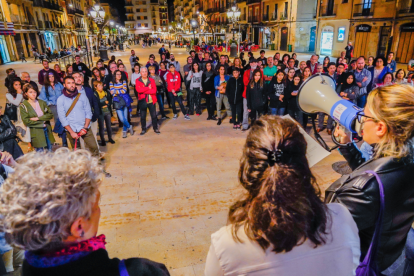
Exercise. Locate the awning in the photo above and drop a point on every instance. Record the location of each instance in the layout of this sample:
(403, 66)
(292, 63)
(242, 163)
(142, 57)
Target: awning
(7, 32)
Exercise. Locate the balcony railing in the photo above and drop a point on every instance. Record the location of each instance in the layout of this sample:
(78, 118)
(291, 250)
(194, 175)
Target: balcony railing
(407, 6)
(253, 18)
(253, 1)
(274, 17)
(283, 16)
(366, 9)
(265, 17)
(328, 11)
(40, 25)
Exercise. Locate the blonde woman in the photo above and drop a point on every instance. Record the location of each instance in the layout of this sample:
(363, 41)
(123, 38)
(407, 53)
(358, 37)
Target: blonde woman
(387, 125)
(237, 63)
(50, 207)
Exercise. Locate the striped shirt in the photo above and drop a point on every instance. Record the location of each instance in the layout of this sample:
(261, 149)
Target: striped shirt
(118, 88)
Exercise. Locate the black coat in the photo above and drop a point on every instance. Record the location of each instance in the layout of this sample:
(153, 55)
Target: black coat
(292, 102)
(97, 263)
(359, 192)
(208, 85)
(274, 90)
(256, 97)
(234, 90)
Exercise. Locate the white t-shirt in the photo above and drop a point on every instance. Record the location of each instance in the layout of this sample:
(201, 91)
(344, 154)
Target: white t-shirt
(339, 256)
(134, 77)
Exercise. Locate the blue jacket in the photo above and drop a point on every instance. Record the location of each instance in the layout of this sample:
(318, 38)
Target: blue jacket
(384, 71)
(54, 94)
(96, 110)
(217, 83)
(392, 65)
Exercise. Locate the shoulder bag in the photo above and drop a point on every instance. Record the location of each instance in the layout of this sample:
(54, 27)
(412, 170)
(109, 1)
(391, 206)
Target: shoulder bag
(23, 131)
(119, 102)
(11, 111)
(368, 267)
(73, 105)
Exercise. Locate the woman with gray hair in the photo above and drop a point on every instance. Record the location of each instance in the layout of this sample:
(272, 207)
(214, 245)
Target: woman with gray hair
(50, 207)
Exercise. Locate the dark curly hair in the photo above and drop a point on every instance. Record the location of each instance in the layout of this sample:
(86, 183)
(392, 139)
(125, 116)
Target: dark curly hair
(282, 206)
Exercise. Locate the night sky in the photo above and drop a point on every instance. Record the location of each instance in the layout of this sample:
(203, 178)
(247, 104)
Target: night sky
(119, 5)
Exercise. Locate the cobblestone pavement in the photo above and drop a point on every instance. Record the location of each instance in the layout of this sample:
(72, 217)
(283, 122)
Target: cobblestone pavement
(168, 193)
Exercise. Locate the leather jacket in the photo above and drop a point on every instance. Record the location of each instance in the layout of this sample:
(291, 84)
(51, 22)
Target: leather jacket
(359, 192)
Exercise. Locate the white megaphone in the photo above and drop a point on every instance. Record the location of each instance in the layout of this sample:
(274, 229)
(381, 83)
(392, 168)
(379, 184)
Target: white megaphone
(317, 94)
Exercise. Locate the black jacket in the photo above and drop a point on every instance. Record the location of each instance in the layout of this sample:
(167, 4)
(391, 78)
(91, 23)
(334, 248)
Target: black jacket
(208, 84)
(234, 90)
(274, 91)
(292, 102)
(359, 192)
(256, 96)
(98, 263)
(96, 110)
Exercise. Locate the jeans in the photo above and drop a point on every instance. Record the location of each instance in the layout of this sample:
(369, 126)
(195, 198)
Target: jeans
(321, 119)
(160, 100)
(245, 115)
(237, 111)
(220, 100)
(211, 104)
(195, 100)
(105, 119)
(409, 254)
(296, 114)
(278, 111)
(48, 143)
(180, 102)
(123, 117)
(254, 113)
(143, 105)
(361, 101)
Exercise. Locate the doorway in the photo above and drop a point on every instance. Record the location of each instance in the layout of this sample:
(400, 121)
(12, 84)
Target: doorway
(283, 38)
(312, 39)
(362, 37)
(4, 50)
(405, 51)
(383, 41)
(256, 36)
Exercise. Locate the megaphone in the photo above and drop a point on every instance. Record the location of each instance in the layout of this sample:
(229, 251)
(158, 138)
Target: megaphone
(317, 94)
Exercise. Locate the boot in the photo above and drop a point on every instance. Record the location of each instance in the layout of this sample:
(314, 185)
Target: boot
(124, 134)
(131, 131)
(219, 122)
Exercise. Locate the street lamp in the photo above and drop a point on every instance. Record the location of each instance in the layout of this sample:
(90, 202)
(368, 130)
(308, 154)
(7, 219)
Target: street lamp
(194, 25)
(233, 14)
(98, 15)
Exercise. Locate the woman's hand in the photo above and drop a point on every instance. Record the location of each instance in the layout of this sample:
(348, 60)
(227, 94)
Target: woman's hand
(7, 159)
(341, 136)
(34, 119)
(281, 98)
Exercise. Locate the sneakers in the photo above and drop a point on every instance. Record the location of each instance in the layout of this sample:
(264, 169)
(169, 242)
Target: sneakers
(165, 117)
(157, 131)
(131, 130)
(175, 116)
(143, 132)
(219, 122)
(187, 117)
(124, 134)
(111, 141)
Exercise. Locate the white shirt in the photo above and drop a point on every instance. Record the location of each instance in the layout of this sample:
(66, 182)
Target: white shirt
(134, 77)
(339, 256)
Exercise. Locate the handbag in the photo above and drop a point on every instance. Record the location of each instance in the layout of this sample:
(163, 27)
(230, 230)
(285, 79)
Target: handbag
(11, 111)
(23, 131)
(119, 102)
(368, 267)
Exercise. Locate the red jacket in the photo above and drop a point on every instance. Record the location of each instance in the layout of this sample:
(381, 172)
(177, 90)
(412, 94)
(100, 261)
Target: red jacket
(173, 82)
(315, 69)
(246, 80)
(144, 90)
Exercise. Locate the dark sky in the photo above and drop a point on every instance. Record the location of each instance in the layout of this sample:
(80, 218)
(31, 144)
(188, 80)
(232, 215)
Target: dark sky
(119, 5)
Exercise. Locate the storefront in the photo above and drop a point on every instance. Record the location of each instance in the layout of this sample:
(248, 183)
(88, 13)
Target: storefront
(5, 34)
(50, 41)
(4, 51)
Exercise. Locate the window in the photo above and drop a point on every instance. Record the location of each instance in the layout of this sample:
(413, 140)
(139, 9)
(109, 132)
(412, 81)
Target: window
(145, 17)
(344, 1)
(286, 9)
(146, 25)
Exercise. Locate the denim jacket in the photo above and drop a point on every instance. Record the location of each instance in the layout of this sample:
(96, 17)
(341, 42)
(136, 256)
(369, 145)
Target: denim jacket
(359, 76)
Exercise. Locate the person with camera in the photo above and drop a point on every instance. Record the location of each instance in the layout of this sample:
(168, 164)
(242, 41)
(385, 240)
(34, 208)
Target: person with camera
(387, 126)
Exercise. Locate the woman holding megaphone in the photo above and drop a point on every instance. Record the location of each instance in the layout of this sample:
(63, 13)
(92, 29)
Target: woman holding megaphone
(387, 125)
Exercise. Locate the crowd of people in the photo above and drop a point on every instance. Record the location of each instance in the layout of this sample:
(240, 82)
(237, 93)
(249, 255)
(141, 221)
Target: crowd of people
(49, 205)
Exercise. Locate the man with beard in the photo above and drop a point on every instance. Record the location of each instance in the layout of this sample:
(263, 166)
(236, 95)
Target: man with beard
(25, 77)
(75, 114)
(79, 66)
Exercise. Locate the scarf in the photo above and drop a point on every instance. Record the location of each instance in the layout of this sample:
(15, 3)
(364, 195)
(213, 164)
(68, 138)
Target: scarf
(70, 95)
(209, 74)
(101, 94)
(67, 254)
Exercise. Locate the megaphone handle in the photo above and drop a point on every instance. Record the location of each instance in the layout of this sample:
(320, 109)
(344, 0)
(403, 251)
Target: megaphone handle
(317, 135)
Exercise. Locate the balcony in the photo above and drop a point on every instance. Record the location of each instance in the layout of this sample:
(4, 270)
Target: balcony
(283, 16)
(274, 17)
(366, 9)
(407, 6)
(128, 4)
(265, 17)
(78, 11)
(254, 18)
(328, 11)
(249, 2)
(40, 25)
(154, 2)
(48, 24)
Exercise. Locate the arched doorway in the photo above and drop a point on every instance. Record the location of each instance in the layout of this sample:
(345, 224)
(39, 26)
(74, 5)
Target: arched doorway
(327, 36)
(283, 38)
(405, 51)
(362, 37)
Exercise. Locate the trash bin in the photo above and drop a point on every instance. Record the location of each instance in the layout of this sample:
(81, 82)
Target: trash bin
(121, 46)
(272, 46)
(290, 48)
(233, 50)
(103, 54)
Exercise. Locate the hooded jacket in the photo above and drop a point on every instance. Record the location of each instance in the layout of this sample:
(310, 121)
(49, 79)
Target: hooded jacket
(234, 90)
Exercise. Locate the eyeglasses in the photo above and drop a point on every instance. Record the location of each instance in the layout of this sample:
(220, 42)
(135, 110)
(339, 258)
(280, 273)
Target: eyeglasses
(362, 118)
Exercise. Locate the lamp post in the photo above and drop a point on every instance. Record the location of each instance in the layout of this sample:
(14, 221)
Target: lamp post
(98, 15)
(194, 26)
(233, 14)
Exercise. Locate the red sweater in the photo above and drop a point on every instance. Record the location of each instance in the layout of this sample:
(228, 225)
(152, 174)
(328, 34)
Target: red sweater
(173, 81)
(246, 80)
(144, 90)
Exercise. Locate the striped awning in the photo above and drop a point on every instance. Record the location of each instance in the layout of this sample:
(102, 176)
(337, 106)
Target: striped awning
(7, 31)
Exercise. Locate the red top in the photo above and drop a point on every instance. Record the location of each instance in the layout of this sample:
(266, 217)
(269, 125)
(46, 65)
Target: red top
(173, 81)
(246, 80)
(144, 90)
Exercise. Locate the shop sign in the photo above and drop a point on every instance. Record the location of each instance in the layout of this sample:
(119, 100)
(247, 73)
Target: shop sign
(364, 28)
(341, 34)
